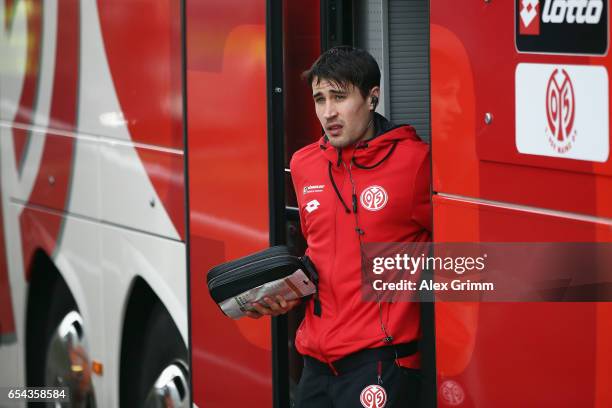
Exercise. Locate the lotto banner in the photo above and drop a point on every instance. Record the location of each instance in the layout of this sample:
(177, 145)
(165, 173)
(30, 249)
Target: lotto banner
(562, 26)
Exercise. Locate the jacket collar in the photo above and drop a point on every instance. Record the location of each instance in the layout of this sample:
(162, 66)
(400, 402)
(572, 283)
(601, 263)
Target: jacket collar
(370, 152)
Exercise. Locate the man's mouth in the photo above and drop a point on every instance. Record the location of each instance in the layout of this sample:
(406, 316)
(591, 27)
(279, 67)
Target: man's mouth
(334, 130)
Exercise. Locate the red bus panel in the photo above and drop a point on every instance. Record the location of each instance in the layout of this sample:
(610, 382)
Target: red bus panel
(491, 190)
(228, 192)
(520, 354)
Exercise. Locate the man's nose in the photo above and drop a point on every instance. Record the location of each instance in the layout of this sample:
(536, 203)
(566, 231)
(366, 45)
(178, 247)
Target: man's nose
(330, 110)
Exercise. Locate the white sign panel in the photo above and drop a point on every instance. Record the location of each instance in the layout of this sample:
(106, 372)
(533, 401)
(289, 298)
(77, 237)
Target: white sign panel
(562, 111)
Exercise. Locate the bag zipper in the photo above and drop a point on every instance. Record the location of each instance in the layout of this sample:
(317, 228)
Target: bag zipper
(229, 275)
(258, 256)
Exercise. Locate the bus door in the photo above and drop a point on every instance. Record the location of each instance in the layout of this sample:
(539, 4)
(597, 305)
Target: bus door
(227, 143)
(245, 103)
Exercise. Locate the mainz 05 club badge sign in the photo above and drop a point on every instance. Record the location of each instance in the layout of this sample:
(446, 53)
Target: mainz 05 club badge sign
(562, 111)
(562, 26)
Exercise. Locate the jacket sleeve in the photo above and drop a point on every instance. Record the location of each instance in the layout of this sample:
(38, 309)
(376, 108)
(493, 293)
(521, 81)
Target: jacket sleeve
(296, 188)
(422, 209)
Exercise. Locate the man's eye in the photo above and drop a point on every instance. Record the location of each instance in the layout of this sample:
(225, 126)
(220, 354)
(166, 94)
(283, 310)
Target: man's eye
(340, 97)
(319, 100)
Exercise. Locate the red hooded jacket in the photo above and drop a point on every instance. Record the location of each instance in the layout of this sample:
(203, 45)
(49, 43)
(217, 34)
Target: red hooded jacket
(391, 177)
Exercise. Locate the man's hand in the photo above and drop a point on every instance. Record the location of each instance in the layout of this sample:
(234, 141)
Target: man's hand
(272, 307)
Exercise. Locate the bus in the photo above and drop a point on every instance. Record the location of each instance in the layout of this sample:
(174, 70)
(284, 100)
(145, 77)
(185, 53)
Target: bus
(143, 142)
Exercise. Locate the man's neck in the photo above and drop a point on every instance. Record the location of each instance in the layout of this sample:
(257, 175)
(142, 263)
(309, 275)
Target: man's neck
(370, 132)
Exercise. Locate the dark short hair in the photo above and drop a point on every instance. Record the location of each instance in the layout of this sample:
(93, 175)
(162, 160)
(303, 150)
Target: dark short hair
(343, 66)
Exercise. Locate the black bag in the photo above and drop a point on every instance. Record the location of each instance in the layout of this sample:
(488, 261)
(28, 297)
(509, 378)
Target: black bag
(235, 284)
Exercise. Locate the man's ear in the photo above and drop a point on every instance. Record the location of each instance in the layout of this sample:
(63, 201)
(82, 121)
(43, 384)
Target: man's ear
(374, 95)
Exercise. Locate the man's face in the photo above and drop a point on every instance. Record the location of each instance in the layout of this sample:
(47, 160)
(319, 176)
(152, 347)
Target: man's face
(344, 113)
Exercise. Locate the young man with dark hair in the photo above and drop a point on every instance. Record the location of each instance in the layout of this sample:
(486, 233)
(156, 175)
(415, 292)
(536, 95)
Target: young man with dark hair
(366, 180)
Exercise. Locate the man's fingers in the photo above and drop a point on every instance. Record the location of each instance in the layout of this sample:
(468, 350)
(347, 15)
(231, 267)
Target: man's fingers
(281, 301)
(274, 308)
(273, 305)
(253, 315)
(260, 309)
(292, 303)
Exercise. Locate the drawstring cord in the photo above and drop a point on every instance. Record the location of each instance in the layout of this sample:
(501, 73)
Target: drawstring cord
(331, 177)
(353, 161)
(388, 338)
(361, 166)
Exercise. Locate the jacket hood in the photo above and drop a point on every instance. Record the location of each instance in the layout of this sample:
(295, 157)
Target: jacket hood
(372, 152)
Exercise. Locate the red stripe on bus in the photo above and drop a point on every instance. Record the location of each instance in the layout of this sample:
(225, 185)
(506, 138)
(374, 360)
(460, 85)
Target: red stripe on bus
(154, 42)
(52, 185)
(165, 170)
(27, 100)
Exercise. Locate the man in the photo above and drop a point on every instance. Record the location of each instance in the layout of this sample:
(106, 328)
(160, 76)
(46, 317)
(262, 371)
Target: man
(366, 180)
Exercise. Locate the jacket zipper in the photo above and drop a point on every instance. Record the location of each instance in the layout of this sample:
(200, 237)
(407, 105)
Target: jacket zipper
(345, 172)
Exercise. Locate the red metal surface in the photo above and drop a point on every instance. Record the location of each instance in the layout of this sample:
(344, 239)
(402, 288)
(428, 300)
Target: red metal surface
(521, 354)
(453, 113)
(509, 354)
(473, 60)
(166, 172)
(228, 189)
(302, 41)
(56, 161)
(150, 92)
